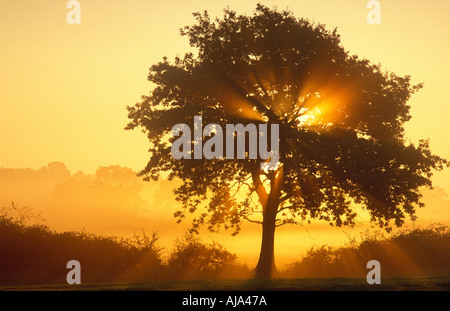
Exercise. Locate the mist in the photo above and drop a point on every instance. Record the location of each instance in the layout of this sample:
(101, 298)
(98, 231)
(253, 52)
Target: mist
(114, 201)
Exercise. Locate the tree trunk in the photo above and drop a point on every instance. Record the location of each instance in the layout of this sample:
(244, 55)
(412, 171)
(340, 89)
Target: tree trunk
(266, 264)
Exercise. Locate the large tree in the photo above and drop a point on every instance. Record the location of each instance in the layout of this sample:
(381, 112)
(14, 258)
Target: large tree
(341, 135)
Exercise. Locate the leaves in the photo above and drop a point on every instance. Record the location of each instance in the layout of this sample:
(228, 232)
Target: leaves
(341, 124)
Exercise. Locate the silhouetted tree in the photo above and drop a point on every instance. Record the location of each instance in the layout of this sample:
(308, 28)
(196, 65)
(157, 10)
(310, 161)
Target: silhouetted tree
(117, 177)
(340, 120)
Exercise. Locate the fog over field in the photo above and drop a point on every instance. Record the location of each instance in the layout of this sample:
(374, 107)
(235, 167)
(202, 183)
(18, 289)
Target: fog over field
(114, 201)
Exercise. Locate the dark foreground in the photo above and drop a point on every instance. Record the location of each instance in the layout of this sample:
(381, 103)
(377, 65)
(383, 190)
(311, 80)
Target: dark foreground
(321, 284)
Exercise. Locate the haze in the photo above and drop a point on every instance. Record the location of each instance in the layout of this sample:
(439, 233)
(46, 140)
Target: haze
(64, 89)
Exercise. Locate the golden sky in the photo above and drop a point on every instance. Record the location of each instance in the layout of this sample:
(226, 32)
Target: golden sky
(64, 87)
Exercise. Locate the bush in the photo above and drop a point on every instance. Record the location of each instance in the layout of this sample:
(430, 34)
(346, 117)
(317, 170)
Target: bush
(408, 253)
(194, 259)
(34, 254)
(31, 253)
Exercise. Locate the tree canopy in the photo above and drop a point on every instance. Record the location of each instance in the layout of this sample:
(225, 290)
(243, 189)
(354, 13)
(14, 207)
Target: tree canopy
(341, 126)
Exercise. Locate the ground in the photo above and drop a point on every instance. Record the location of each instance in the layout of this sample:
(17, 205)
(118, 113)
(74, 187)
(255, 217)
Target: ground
(335, 284)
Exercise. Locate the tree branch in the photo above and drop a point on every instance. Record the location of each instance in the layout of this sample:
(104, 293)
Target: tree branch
(251, 220)
(285, 197)
(285, 222)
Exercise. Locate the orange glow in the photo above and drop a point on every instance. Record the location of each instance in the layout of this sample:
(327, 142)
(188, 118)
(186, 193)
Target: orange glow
(64, 89)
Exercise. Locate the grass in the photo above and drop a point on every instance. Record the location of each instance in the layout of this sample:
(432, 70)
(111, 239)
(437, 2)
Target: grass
(309, 284)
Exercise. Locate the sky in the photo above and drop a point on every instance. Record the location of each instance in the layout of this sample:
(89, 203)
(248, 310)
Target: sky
(65, 87)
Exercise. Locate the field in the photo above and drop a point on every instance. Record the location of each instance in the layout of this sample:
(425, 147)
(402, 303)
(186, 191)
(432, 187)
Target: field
(309, 284)
(33, 258)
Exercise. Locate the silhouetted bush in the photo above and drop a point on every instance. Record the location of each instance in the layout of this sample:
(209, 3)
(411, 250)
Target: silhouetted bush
(408, 253)
(34, 254)
(31, 253)
(194, 259)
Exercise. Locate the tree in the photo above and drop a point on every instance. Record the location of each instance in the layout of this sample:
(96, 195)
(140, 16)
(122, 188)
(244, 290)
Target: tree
(341, 137)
